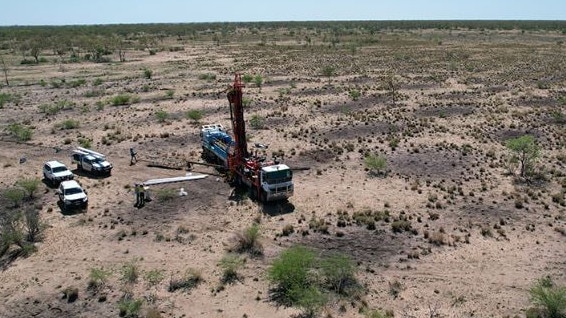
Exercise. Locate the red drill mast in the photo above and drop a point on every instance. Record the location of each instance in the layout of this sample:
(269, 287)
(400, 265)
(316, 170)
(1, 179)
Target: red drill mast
(238, 125)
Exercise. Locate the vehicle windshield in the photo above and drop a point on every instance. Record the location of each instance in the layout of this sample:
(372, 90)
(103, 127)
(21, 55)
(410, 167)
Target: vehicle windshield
(71, 191)
(278, 176)
(59, 169)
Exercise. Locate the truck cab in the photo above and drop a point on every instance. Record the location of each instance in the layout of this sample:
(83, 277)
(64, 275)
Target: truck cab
(276, 182)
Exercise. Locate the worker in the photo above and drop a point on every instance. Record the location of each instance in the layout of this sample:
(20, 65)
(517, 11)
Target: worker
(133, 156)
(142, 195)
(137, 192)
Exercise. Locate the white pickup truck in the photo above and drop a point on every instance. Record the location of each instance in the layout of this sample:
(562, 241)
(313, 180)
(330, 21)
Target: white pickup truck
(72, 195)
(91, 161)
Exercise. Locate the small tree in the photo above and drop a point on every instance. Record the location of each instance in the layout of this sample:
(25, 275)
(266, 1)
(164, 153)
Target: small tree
(375, 163)
(11, 231)
(4, 70)
(328, 71)
(391, 83)
(525, 151)
(33, 224)
(258, 80)
(147, 73)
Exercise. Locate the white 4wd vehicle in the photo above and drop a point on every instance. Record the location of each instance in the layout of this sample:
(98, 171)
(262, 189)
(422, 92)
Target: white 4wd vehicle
(91, 161)
(55, 172)
(72, 195)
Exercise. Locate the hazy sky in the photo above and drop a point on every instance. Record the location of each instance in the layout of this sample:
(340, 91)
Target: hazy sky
(63, 12)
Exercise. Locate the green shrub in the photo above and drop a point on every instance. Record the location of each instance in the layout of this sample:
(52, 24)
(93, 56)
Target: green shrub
(304, 280)
(355, 94)
(98, 278)
(165, 194)
(29, 185)
(248, 241)
(33, 224)
(21, 132)
(376, 164)
(122, 99)
(256, 121)
(97, 82)
(5, 98)
(258, 80)
(161, 115)
(195, 114)
(401, 225)
(147, 73)
(207, 77)
(169, 93)
(154, 277)
(247, 78)
(550, 298)
(129, 308)
(85, 142)
(94, 93)
(130, 272)
(378, 314)
(246, 102)
(11, 231)
(328, 71)
(338, 271)
(290, 272)
(76, 83)
(15, 195)
(69, 124)
(188, 281)
(52, 109)
(230, 264)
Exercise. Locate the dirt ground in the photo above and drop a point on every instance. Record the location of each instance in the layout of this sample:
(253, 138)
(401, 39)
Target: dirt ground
(438, 105)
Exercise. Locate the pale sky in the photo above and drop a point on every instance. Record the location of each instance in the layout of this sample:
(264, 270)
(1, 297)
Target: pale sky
(65, 12)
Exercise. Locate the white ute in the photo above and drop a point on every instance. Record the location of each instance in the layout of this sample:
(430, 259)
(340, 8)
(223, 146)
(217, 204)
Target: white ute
(55, 172)
(72, 195)
(91, 161)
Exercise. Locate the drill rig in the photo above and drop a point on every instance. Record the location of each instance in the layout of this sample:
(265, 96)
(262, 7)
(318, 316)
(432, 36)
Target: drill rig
(266, 180)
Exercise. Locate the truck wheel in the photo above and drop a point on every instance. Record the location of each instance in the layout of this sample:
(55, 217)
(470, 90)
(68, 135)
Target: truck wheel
(263, 197)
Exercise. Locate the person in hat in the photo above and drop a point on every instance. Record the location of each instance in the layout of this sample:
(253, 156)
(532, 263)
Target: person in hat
(133, 156)
(137, 192)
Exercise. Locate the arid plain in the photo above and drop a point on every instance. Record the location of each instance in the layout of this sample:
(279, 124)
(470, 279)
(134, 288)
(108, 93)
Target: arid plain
(445, 230)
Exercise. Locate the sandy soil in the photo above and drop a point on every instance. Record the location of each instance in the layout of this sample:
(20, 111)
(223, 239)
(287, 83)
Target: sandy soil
(456, 104)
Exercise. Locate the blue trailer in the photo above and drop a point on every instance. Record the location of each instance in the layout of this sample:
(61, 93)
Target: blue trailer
(216, 144)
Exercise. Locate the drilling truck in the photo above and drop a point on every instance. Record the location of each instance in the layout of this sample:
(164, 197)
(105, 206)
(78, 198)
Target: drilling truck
(266, 180)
